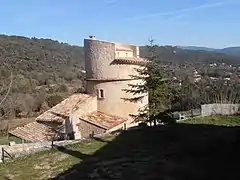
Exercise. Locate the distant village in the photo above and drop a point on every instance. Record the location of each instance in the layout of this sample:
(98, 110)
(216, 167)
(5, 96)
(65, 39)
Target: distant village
(210, 71)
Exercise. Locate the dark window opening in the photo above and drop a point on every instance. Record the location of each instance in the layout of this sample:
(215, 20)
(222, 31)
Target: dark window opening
(101, 93)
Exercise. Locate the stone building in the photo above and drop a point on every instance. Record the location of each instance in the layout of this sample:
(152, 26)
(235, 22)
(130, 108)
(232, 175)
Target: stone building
(109, 68)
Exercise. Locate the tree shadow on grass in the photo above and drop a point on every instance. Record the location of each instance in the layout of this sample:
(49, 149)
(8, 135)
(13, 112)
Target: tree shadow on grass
(70, 152)
(181, 151)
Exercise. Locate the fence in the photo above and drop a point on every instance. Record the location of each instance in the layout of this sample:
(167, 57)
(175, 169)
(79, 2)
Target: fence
(5, 155)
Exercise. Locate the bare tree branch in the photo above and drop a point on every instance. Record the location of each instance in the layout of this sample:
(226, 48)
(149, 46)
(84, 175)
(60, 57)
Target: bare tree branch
(2, 88)
(8, 91)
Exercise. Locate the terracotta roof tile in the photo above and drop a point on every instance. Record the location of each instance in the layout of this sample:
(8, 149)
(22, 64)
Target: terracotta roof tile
(124, 49)
(102, 119)
(62, 110)
(32, 132)
(130, 60)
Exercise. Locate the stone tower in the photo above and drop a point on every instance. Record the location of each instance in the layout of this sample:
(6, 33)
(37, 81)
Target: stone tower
(109, 67)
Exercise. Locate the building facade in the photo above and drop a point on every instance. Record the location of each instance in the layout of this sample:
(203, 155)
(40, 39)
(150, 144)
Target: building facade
(109, 70)
(105, 108)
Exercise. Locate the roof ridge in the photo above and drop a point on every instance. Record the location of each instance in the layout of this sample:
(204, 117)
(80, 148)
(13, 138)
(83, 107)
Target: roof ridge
(65, 107)
(103, 120)
(29, 132)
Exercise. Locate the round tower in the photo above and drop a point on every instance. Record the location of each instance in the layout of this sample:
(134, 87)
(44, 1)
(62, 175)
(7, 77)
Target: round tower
(109, 69)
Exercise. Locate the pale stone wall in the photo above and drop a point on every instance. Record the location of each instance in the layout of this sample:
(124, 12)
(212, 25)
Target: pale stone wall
(112, 78)
(113, 102)
(88, 106)
(86, 129)
(99, 62)
(127, 47)
(18, 150)
(124, 53)
(219, 109)
(98, 57)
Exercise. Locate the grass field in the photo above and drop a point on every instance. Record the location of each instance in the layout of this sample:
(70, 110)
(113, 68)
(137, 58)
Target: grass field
(216, 120)
(6, 140)
(195, 149)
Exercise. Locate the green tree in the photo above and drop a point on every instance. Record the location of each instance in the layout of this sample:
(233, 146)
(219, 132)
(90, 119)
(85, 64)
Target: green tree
(161, 94)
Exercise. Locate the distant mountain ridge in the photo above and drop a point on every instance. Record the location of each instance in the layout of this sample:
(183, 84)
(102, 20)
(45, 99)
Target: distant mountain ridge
(177, 55)
(235, 51)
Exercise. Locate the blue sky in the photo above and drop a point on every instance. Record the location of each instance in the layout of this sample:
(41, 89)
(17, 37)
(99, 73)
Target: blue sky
(211, 23)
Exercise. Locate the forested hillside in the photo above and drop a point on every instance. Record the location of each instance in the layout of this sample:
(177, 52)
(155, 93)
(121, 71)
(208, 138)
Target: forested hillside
(234, 51)
(43, 72)
(46, 71)
(179, 55)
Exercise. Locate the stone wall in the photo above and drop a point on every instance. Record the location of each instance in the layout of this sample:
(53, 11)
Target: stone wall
(114, 101)
(133, 48)
(88, 106)
(99, 62)
(219, 109)
(19, 150)
(102, 74)
(86, 129)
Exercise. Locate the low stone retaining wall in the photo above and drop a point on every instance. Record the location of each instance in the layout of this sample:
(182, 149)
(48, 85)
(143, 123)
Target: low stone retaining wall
(219, 109)
(18, 150)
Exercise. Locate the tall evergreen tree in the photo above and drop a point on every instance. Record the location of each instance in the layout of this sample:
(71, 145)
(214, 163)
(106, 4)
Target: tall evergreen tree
(156, 84)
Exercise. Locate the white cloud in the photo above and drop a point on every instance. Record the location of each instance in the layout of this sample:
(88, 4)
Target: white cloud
(179, 13)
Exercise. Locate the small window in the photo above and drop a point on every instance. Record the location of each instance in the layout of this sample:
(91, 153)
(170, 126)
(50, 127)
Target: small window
(126, 54)
(117, 54)
(100, 94)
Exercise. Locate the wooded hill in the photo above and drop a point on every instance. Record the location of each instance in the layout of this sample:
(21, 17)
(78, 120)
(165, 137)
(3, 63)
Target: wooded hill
(45, 71)
(178, 55)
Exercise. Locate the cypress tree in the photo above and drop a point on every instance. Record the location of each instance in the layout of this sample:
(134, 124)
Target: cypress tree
(156, 84)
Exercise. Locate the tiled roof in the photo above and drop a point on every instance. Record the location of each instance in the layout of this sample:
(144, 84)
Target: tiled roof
(124, 49)
(62, 110)
(130, 60)
(103, 120)
(32, 132)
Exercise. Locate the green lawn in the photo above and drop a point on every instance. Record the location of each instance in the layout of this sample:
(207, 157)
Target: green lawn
(194, 149)
(5, 140)
(216, 120)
